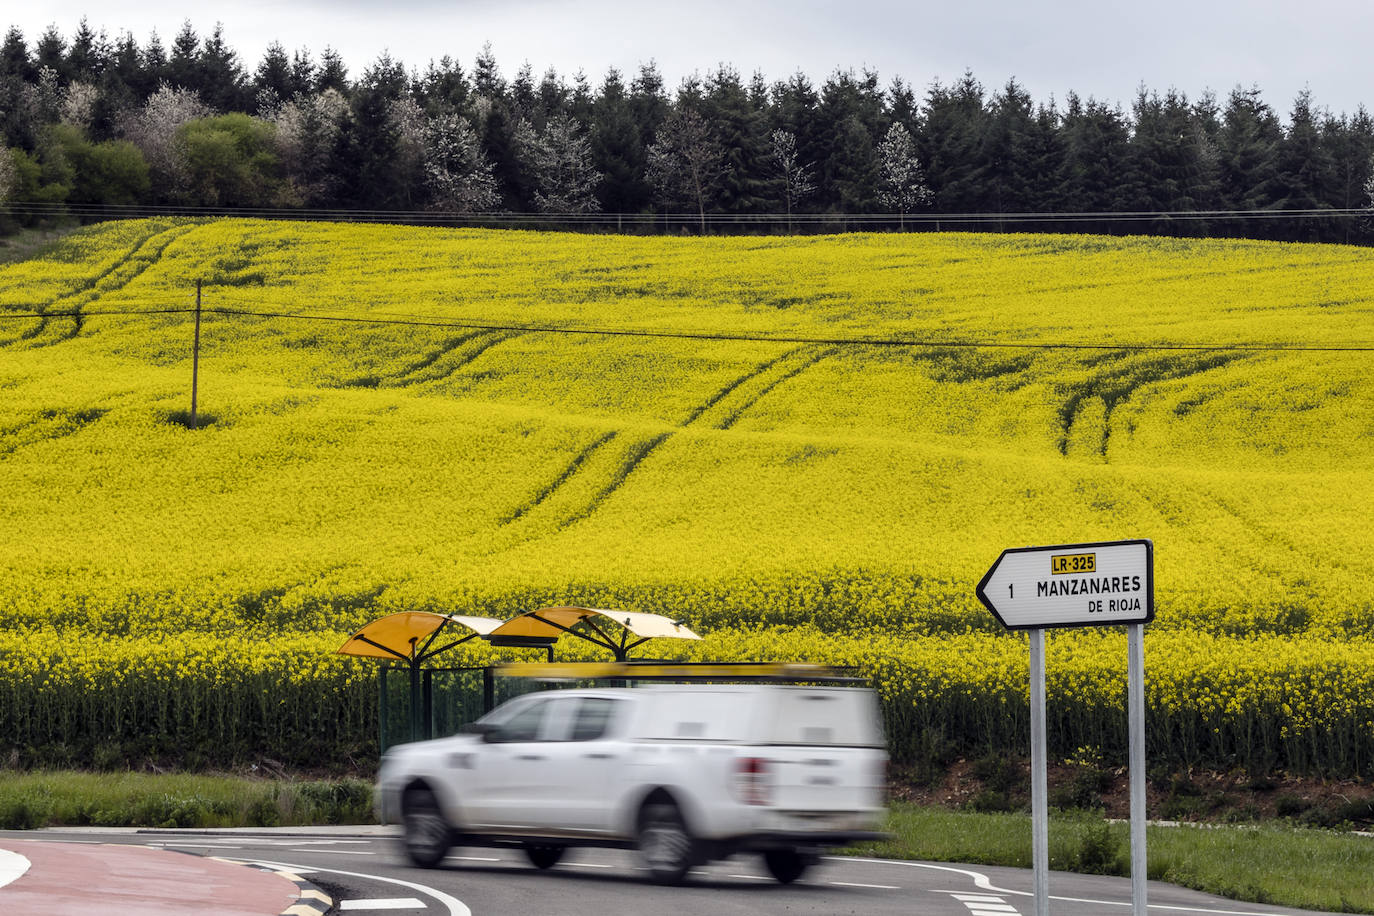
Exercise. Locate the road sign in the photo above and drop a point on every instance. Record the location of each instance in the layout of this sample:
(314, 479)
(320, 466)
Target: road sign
(1108, 583)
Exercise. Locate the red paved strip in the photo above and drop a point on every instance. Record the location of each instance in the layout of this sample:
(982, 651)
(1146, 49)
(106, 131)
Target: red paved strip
(111, 880)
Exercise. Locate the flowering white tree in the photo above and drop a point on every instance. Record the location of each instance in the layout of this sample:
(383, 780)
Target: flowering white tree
(78, 104)
(796, 177)
(457, 174)
(903, 184)
(686, 163)
(1369, 186)
(9, 175)
(153, 129)
(561, 161)
(307, 129)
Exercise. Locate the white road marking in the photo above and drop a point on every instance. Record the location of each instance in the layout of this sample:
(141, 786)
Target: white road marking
(587, 865)
(985, 883)
(751, 877)
(384, 903)
(12, 866)
(193, 846)
(455, 906)
(476, 858)
(880, 887)
(334, 852)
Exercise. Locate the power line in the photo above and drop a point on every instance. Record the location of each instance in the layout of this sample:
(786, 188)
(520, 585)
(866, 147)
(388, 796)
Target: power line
(718, 335)
(331, 214)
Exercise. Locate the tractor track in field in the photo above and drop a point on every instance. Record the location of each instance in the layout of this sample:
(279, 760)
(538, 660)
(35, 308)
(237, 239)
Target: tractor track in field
(141, 256)
(604, 477)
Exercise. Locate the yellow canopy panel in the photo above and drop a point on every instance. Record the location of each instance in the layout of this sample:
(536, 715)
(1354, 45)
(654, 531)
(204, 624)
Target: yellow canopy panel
(554, 621)
(402, 633)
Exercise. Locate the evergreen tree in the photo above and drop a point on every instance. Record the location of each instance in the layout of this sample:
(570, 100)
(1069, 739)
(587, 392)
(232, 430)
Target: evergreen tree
(1003, 183)
(1097, 157)
(850, 116)
(303, 74)
(739, 129)
(1350, 141)
(50, 53)
(950, 145)
(155, 66)
(522, 96)
(272, 81)
(617, 151)
(648, 103)
(14, 57)
(332, 73)
(366, 151)
(183, 64)
(552, 98)
(1306, 173)
(222, 80)
(444, 88)
(87, 55)
(1248, 147)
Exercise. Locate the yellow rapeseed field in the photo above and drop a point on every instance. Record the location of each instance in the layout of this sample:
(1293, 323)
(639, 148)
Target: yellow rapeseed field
(805, 496)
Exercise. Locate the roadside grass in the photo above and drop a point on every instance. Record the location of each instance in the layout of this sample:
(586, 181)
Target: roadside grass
(1274, 864)
(60, 798)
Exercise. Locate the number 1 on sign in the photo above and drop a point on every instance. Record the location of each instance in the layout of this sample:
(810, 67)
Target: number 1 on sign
(1011, 590)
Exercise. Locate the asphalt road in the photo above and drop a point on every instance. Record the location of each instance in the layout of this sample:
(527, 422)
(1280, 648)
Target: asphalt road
(365, 873)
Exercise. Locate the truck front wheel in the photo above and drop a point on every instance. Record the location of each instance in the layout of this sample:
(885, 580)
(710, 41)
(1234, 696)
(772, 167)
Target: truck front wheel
(428, 836)
(665, 846)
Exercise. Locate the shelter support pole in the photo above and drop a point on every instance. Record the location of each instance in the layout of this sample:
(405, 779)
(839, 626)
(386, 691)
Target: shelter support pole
(1136, 698)
(382, 708)
(1040, 816)
(415, 726)
(488, 689)
(428, 708)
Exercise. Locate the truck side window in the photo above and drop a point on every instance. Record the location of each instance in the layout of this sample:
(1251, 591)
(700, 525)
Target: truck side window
(524, 725)
(594, 715)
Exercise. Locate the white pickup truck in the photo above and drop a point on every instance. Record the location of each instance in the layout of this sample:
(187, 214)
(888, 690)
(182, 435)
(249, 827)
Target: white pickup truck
(683, 774)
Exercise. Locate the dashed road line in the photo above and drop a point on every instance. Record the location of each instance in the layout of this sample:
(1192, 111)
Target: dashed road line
(879, 887)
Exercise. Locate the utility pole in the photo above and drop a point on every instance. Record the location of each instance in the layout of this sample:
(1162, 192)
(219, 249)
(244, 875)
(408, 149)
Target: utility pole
(195, 359)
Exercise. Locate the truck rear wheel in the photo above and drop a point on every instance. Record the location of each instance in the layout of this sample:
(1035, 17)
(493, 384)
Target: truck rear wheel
(787, 865)
(428, 836)
(665, 846)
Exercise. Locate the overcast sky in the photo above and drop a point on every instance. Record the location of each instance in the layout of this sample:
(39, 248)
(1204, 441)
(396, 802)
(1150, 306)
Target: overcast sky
(1101, 48)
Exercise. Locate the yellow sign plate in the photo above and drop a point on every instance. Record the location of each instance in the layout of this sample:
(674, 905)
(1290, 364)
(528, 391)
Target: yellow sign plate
(1073, 563)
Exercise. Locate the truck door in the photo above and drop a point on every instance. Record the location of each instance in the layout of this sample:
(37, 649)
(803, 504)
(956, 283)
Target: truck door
(510, 782)
(585, 765)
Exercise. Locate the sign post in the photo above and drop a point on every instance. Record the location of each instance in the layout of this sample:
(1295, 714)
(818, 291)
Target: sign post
(1105, 583)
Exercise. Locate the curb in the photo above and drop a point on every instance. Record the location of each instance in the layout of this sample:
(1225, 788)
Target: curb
(310, 901)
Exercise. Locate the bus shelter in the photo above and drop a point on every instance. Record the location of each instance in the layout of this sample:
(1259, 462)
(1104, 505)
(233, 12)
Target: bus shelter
(409, 640)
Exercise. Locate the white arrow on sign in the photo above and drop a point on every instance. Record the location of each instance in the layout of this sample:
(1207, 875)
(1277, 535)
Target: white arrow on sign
(1103, 584)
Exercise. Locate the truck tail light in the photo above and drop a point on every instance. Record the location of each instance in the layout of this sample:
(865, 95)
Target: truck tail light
(753, 781)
